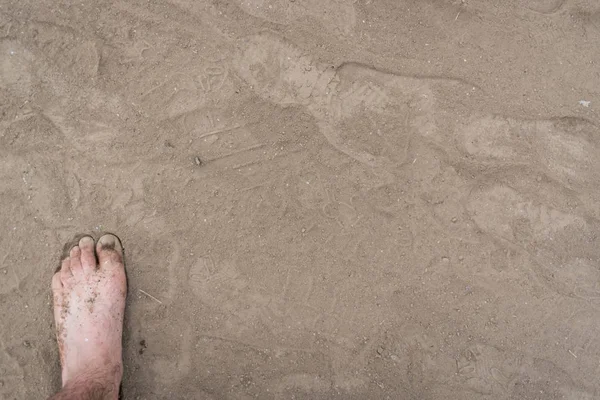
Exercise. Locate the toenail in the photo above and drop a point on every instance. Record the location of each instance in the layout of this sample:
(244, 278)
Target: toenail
(86, 240)
(107, 241)
(110, 242)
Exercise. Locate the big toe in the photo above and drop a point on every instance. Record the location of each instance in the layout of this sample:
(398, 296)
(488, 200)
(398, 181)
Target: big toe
(110, 252)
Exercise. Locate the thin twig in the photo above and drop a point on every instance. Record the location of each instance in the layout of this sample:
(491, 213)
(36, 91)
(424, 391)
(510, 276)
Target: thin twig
(233, 153)
(216, 132)
(149, 295)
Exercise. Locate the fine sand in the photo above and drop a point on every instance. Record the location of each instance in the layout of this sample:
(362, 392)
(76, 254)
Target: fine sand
(318, 199)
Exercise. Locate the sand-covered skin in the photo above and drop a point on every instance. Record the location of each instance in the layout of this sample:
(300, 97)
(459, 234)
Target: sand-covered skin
(319, 200)
(89, 293)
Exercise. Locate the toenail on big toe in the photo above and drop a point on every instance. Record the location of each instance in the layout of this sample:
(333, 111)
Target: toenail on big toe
(110, 242)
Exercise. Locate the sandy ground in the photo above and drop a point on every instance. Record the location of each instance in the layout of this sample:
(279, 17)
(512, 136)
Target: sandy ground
(339, 199)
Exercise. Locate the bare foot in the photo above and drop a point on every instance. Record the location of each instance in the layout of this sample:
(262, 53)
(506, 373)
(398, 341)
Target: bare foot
(89, 302)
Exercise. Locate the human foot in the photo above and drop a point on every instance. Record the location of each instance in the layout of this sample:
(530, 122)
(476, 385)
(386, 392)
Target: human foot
(89, 301)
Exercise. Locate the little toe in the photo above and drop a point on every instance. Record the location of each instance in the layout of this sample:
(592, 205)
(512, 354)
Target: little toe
(110, 252)
(88, 254)
(65, 271)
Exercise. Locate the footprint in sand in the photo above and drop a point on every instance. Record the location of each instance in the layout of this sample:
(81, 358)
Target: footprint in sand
(364, 113)
(11, 376)
(488, 370)
(63, 51)
(15, 75)
(562, 244)
(370, 115)
(543, 6)
(173, 367)
(338, 16)
(222, 286)
(39, 186)
(303, 314)
(215, 285)
(567, 149)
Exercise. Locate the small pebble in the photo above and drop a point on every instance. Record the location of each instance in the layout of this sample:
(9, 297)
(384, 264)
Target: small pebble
(197, 160)
(584, 103)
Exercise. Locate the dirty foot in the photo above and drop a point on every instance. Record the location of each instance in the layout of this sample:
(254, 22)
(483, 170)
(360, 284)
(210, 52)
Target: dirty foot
(89, 301)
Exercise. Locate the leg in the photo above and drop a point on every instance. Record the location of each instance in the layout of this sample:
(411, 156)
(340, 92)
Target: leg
(89, 303)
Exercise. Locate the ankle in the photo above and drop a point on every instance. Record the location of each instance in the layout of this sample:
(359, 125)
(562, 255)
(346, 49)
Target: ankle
(105, 379)
(92, 385)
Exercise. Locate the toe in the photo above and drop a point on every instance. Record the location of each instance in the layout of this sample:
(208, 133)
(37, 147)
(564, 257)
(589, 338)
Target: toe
(75, 256)
(57, 285)
(88, 254)
(110, 252)
(65, 270)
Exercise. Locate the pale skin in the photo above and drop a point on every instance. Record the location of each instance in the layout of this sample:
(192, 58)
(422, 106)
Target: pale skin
(89, 294)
